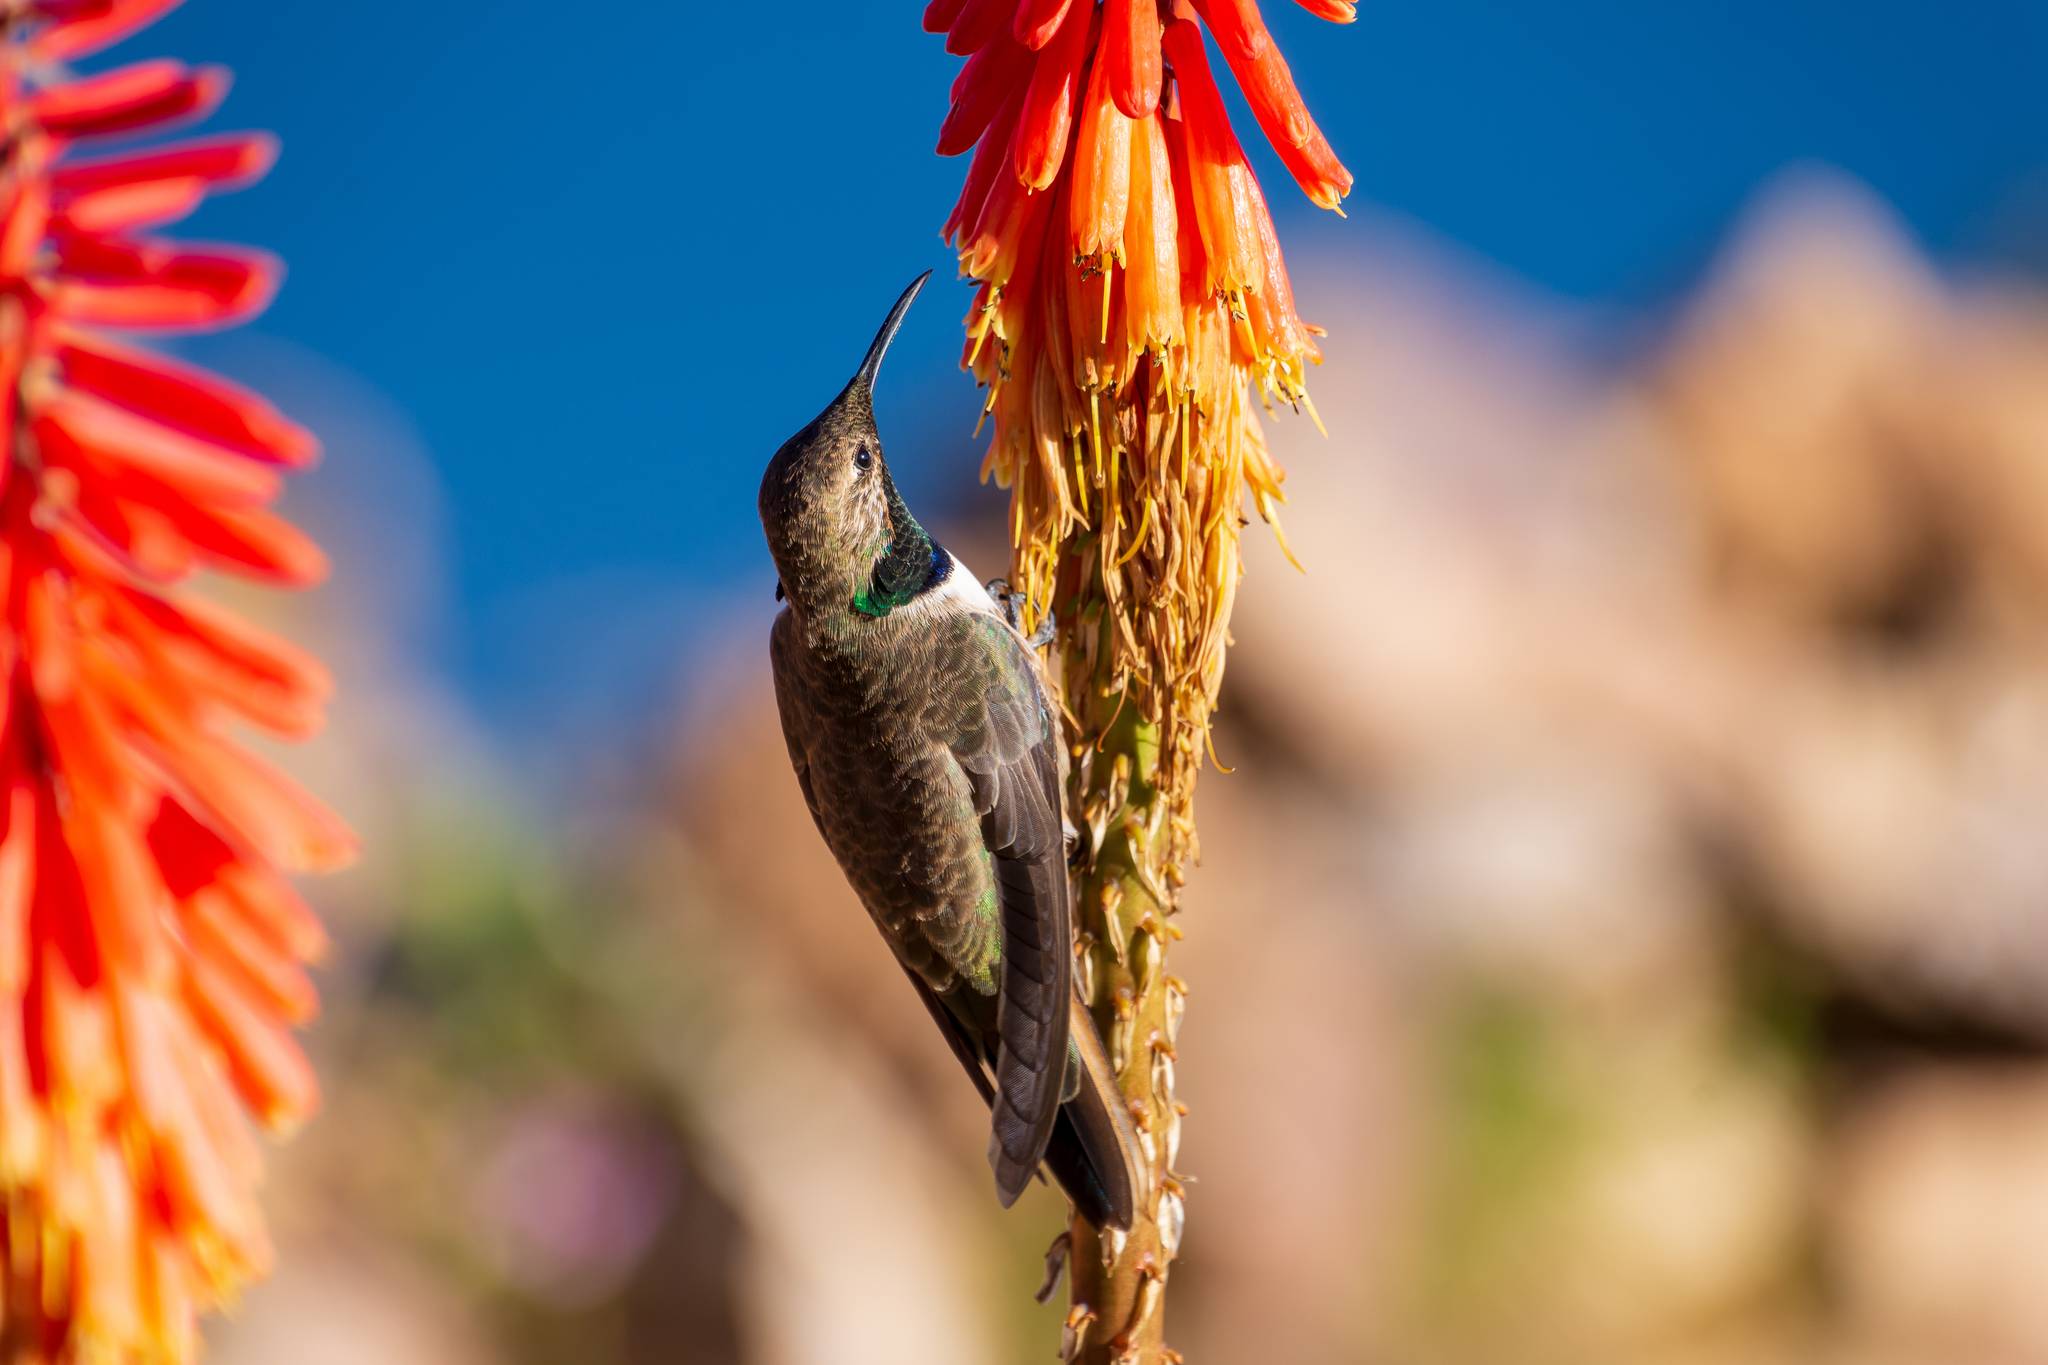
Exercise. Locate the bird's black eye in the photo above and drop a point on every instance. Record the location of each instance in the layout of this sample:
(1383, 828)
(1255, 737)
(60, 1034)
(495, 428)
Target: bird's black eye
(862, 457)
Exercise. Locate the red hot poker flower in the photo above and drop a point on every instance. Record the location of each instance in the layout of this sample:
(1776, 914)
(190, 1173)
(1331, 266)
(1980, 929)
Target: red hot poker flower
(1133, 296)
(1132, 305)
(152, 954)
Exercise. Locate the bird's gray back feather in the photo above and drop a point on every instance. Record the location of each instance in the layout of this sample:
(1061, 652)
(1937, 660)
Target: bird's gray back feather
(929, 757)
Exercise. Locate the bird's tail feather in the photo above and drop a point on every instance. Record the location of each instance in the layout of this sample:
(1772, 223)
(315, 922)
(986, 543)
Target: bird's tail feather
(1093, 1151)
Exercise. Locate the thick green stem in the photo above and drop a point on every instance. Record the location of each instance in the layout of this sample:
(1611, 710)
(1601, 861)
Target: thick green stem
(1118, 1311)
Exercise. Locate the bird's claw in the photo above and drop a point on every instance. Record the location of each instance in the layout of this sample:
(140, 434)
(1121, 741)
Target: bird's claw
(1005, 600)
(1011, 604)
(1055, 1261)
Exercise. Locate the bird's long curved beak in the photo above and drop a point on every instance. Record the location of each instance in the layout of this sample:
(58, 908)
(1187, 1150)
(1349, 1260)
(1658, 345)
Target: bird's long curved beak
(864, 377)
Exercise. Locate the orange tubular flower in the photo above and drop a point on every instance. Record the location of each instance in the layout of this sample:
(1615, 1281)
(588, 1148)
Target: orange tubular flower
(1132, 297)
(151, 952)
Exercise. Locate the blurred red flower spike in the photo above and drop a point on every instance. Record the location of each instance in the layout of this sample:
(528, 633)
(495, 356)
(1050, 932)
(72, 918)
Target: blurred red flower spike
(268, 815)
(152, 960)
(69, 11)
(1048, 113)
(276, 908)
(144, 285)
(219, 163)
(123, 897)
(234, 643)
(141, 541)
(268, 810)
(123, 208)
(1269, 87)
(45, 640)
(17, 881)
(93, 24)
(107, 1263)
(270, 973)
(205, 1186)
(260, 676)
(1336, 11)
(24, 230)
(267, 1067)
(185, 399)
(140, 96)
(111, 441)
(198, 679)
(253, 543)
(1130, 49)
(74, 1029)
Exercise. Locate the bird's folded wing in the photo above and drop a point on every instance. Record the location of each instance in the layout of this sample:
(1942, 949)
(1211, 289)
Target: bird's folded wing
(1002, 733)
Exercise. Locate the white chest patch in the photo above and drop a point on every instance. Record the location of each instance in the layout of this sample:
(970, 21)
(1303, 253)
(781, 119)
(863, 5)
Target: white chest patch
(961, 591)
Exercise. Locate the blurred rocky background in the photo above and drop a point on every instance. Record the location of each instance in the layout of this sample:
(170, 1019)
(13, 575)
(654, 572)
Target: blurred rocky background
(1620, 939)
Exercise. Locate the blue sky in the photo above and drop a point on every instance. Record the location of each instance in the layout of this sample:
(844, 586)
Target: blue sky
(602, 266)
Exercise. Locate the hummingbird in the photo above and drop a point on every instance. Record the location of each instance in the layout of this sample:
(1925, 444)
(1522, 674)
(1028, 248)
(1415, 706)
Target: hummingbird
(929, 752)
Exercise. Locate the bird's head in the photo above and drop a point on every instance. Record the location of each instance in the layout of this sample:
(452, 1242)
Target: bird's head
(840, 534)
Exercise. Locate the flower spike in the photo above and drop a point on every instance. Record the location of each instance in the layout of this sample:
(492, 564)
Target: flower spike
(1132, 308)
(152, 954)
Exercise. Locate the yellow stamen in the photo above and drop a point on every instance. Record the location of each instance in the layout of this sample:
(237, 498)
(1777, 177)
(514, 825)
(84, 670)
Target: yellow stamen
(1113, 510)
(1123, 694)
(1138, 542)
(1081, 481)
(1272, 516)
(1313, 415)
(1106, 269)
(1095, 428)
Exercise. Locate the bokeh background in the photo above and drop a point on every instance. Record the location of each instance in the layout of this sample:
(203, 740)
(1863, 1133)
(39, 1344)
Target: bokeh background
(1622, 937)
